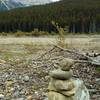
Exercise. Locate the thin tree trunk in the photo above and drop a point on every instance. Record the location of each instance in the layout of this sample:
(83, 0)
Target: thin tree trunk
(94, 26)
(90, 27)
(73, 28)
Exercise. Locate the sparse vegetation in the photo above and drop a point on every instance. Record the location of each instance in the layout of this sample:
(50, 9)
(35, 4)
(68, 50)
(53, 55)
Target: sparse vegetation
(19, 33)
(20, 55)
(61, 36)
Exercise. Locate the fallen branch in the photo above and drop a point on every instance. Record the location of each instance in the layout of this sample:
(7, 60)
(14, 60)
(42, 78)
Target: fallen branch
(89, 59)
(45, 53)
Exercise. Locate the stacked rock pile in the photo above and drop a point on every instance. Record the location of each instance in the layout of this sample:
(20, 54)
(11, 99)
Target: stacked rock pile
(63, 87)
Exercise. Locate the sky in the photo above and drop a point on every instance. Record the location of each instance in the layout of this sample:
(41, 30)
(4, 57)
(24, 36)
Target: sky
(55, 0)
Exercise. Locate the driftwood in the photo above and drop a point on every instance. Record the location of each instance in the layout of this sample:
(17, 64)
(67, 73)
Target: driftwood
(90, 60)
(87, 58)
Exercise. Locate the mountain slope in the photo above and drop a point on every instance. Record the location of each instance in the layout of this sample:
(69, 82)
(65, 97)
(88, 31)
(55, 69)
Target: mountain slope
(35, 2)
(10, 4)
(78, 15)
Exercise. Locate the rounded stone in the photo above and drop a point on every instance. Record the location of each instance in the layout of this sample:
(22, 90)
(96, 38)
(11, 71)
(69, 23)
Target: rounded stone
(60, 85)
(69, 93)
(66, 64)
(63, 85)
(59, 74)
(52, 95)
(79, 92)
(51, 86)
(30, 97)
(1, 96)
(26, 78)
(2, 61)
(20, 99)
(9, 83)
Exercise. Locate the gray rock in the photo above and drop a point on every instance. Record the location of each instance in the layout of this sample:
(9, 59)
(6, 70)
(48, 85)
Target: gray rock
(20, 99)
(2, 96)
(26, 78)
(80, 92)
(60, 85)
(59, 74)
(46, 98)
(16, 94)
(64, 85)
(57, 96)
(66, 64)
(98, 81)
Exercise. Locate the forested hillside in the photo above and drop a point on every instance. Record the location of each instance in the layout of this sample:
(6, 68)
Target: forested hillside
(80, 16)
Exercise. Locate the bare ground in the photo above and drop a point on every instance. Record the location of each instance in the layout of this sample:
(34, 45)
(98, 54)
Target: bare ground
(18, 53)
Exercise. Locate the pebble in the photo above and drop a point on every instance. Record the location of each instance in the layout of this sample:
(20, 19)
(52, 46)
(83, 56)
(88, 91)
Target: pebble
(2, 96)
(20, 99)
(26, 78)
(98, 81)
(9, 83)
(30, 97)
(16, 94)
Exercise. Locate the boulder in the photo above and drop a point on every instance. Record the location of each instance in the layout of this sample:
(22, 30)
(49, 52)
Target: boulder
(59, 74)
(82, 92)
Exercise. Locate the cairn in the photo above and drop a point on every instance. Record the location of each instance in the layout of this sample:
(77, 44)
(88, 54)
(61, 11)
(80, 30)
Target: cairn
(63, 87)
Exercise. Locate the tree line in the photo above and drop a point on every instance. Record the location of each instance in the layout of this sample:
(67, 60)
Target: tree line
(79, 16)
